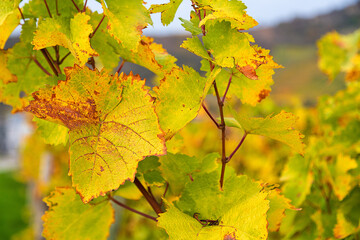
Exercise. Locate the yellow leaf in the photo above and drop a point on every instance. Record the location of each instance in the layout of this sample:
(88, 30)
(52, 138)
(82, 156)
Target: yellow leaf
(72, 34)
(112, 126)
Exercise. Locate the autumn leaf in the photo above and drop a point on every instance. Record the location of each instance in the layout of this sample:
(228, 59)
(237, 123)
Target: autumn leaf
(126, 21)
(69, 218)
(72, 34)
(239, 209)
(112, 126)
(9, 19)
(231, 11)
(167, 10)
(180, 95)
(279, 127)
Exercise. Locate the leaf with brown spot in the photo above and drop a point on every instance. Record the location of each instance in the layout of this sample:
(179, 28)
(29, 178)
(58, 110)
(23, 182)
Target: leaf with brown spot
(72, 34)
(112, 126)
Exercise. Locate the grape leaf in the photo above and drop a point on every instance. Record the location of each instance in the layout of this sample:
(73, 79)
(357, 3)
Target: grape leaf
(192, 26)
(232, 11)
(149, 169)
(240, 209)
(69, 218)
(72, 34)
(112, 126)
(167, 10)
(179, 169)
(180, 96)
(52, 133)
(103, 43)
(21, 63)
(37, 8)
(149, 55)
(298, 179)
(278, 205)
(6, 76)
(9, 19)
(279, 127)
(126, 21)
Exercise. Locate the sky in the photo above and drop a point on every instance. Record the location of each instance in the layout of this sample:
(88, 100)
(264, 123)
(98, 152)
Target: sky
(265, 12)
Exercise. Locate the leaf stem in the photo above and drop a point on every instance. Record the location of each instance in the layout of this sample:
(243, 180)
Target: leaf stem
(121, 66)
(97, 27)
(57, 8)
(22, 15)
(47, 7)
(211, 117)
(237, 147)
(227, 88)
(49, 61)
(62, 60)
(41, 66)
(84, 8)
(165, 191)
(131, 209)
(154, 204)
(77, 8)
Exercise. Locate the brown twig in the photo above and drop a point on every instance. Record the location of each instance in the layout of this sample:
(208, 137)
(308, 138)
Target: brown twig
(131, 209)
(22, 15)
(49, 61)
(120, 67)
(227, 88)
(77, 8)
(97, 27)
(237, 147)
(41, 66)
(57, 8)
(84, 8)
(47, 7)
(209, 114)
(62, 60)
(165, 191)
(155, 205)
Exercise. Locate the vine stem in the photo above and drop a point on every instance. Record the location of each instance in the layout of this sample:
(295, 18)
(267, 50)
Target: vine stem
(97, 27)
(62, 60)
(84, 8)
(227, 88)
(131, 209)
(211, 117)
(47, 7)
(120, 67)
(237, 147)
(41, 66)
(77, 8)
(154, 204)
(50, 62)
(22, 15)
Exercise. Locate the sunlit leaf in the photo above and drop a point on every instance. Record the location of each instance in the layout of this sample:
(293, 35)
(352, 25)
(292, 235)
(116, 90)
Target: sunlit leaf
(126, 21)
(232, 11)
(37, 8)
(279, 127)
(180, 96)
(52, 133)
(167, 10)
(112, 126)
(239, 209)
(69, 218)
(72, 34)
(9, 19)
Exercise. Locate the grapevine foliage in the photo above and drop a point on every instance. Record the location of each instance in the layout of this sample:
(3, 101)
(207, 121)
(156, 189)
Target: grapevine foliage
(127, 138)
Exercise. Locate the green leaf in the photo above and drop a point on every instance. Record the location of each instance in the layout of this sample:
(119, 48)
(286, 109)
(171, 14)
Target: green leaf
(112, 126)
(7, 7)
(126, 21)
(231, 11)
(195, 46)
(149, 169)
(37, 8)
(103, 43)
(69, 218)
(52, 133)
(180, 96)
(72, 34)
(167, 10)
(279, 127)
(192, 26)
(240, 209)
(298, 179)
(179, 169)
